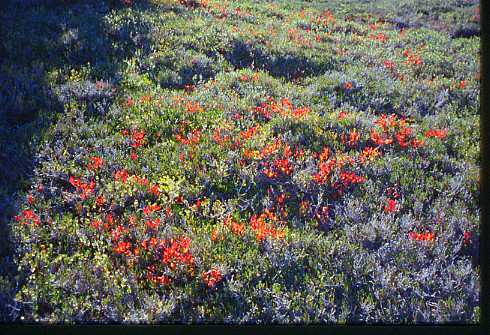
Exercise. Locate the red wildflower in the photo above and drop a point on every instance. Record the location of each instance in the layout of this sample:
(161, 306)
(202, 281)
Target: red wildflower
(421, 236)
(390, 206)
(123, 248)
(150, 209)
(353, 137)
(178, 252)
(211, 277)
(380, 139)
(214, 235)
(264, 225)
(244, 77)
(100, 200)
(162, 279)
(152, 223)
(269, 173)
(247, 134)
(219, 138)
(109, 221)
(188, 88)
(462, 84)
(281, 198)
(388, 64)
(347, 85)
(436, 133)
(140, 180)
(95, 163)
(95, 223)
(121, 175)
(30, 199)
(368, 153)
(137, 137)
(416, 143)
(467, 237)
(237, 228)
(348, 178)
(193, 107)
(154, 190)
(30, 217)
(84, 187)
(133, 156)
(283, 165)
(179, 200)
(300, 112)
(75, 182)
(401, 137)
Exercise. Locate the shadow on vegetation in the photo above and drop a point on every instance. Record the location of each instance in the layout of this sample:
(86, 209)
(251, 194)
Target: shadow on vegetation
(289, 66)
(40, 42)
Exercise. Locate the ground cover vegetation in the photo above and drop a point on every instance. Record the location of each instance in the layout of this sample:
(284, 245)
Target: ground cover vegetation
(239, 161)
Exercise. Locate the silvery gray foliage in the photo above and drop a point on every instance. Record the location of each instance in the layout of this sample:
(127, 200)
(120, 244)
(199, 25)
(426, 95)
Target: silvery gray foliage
(97, 96)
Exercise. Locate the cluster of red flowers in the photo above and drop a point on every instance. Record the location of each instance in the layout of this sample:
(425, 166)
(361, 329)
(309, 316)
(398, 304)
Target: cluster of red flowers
(147, 210)
(27, 217)
(248, 133)
(421, 236)
(157, 279)
(278, 166)
(436, 133)
(411, 58)
(121, 175)
(283, 108)
(177, 252)
(193, 137)
(189, 88)
(295, 35)
(347, 178)
(235, 227)
(231, 225)
(86, 188)
(325, 19)
(388, 64)
(264, 225)
(173, 253)
(219, 138)
(123, 248)
(245, 78)
(281, 164)
(368, 154)
(192, 107)
(353, 137)
(325, 167)
(211, 277)
(390, 206)
(95, 163)
(152, 224)
(145, 99)
(392, 129)
(379, 37)
(138, 137)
